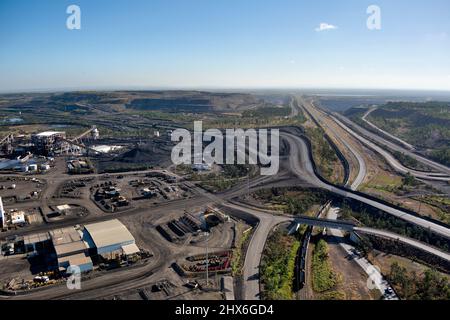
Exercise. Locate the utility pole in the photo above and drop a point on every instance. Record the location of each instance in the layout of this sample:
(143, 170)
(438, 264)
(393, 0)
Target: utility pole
(420, 203)
(207, 260)
(248, 184)
(206, 233)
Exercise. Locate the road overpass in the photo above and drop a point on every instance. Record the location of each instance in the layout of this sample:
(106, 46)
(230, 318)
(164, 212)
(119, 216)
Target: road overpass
(351, 227)
(324, 223)
(302, 165)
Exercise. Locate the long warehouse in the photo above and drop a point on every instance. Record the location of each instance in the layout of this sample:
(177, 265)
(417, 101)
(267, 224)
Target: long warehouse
(110, 238)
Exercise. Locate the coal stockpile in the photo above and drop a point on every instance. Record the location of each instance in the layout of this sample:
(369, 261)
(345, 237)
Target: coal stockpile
(164, 233)
(139, 157)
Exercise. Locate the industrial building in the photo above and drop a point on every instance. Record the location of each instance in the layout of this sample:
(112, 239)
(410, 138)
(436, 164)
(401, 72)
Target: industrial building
(18, 218)
(70, 249)
(80, 166)
(47, 142)
(36, 243)
(110, 238)
(81, 246)
(26, 164)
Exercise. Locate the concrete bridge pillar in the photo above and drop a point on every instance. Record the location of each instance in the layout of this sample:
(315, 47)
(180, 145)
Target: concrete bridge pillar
(354, 237)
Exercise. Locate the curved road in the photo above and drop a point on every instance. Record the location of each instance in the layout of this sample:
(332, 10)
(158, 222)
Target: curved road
(443, 171)
(301, 164)
(395, 164)
(362, 168)
(404, 143)
(255, 249)
(372, 272)
(408, 241)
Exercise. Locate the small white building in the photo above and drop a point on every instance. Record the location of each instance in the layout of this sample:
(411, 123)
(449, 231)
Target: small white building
(63, 208)
(18, 217)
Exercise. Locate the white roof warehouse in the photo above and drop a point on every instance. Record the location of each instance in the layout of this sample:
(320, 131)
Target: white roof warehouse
(110, 236)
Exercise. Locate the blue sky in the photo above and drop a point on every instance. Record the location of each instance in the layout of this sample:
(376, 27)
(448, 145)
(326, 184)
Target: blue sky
(224, 44)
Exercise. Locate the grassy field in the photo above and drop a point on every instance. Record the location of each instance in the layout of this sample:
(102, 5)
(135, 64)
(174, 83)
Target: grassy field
(440, 205)
(295, 201)
(324, 279)
(225, 179)
(383, 181)
(277, 267)
(238, 255)
(327, 162)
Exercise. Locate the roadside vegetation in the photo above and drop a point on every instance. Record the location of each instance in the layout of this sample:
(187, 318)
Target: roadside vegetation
(412, 286)
(295, 201)
(324, 279)
(410, 193)
(380, 220)
(267, 116)
(442, 156)
(230, 176)
(440, 203)
(410, 162)
(325, 157)
(424, 125)
(278, 265)
(267, 112)
(238, 257)
(383, 182)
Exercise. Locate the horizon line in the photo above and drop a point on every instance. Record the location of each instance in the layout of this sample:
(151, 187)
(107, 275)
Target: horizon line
(210, 88)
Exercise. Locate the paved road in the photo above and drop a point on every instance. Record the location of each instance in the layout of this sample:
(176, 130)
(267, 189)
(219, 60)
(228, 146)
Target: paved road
(255, 249)
(375, 278)
(362, 168)
(409, 241)
(301, 165)
(404, 143)
(443, 171)
(393, 162)
(294, 108)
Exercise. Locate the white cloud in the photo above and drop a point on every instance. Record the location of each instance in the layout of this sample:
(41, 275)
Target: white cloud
(325, 26)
